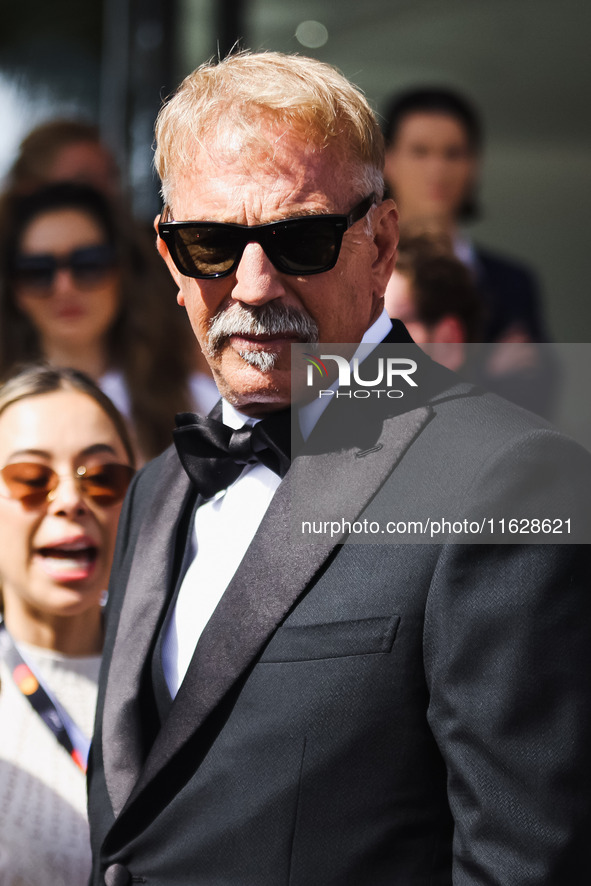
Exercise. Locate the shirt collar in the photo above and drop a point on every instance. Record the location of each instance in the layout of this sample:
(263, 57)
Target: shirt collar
(235, 419)
(464, 250)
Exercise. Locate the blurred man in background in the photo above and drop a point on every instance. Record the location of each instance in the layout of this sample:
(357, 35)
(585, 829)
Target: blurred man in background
(434, 145)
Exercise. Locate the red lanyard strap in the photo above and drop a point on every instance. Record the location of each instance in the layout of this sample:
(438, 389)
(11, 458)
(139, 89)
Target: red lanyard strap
(30, 686)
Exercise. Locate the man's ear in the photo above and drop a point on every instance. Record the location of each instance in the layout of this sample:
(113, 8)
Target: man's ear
(174, 271)
(385, 228)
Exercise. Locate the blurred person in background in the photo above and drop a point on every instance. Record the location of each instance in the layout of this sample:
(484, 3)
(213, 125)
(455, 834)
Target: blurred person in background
(71, 150)
(434, 144)
(65, 150)
(75, 291)
(434, 295)
(65, 463)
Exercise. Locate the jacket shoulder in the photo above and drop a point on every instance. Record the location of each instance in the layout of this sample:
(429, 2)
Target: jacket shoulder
(506, 268)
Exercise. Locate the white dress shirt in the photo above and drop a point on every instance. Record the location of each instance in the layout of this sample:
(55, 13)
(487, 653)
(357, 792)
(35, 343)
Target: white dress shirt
(223, 529)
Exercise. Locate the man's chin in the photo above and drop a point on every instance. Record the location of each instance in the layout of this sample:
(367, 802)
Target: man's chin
(252, 389)
(240, 355)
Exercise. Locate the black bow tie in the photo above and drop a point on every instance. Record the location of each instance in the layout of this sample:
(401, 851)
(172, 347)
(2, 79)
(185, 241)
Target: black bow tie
(214, 455)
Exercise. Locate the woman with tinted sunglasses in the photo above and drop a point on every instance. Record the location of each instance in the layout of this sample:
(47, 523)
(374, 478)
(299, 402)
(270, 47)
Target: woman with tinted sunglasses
(78, 289)
(66, 461)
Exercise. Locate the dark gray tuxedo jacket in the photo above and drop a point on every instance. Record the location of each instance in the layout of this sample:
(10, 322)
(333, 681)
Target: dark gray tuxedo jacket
(360, 714)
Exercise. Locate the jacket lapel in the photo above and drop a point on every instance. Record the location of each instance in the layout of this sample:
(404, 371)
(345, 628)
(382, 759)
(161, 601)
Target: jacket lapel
(150, 579)
(275, 571)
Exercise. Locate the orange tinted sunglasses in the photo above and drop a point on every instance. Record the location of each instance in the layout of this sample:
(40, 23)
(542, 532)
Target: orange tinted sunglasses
(35, 484)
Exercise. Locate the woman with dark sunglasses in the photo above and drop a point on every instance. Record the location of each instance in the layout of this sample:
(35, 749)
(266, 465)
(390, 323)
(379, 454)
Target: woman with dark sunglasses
(66, 461)
(77, 288)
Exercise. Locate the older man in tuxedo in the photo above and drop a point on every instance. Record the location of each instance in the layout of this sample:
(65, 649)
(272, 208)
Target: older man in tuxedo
(275, 711)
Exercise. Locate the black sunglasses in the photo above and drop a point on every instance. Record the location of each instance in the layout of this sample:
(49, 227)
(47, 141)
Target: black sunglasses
(88, 266)
(34, 484)
(308, 244)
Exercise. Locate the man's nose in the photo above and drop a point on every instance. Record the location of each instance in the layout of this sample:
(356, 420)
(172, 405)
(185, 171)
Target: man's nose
(257, 280)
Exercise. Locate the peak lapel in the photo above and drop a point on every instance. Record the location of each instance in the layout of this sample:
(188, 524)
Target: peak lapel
(146, 594)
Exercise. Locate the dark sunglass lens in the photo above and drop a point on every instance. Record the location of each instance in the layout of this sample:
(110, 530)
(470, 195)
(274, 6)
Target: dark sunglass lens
(36, 271)
(28, 482)
(307, 245)
(106, 484)
(91, 264)
(206, 251)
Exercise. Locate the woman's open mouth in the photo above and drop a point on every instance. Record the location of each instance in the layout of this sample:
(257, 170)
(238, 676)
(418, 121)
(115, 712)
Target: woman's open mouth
(68, 560)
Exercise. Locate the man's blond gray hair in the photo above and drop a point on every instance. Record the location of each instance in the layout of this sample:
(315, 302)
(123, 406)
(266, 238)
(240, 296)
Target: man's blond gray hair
(244, 93)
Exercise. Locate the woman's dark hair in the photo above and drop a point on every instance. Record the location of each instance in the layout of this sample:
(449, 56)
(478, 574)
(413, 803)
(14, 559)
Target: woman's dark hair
(63, 195)
(437, 100)
(149, 341)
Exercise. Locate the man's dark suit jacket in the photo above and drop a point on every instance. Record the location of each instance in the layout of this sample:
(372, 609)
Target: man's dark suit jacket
(359, 714)
(512, 301)
(511, 296)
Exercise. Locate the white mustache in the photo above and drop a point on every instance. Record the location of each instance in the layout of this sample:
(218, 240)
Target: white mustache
(270, 319)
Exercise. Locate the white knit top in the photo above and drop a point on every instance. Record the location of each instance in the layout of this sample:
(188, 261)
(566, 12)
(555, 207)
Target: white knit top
(43, 826)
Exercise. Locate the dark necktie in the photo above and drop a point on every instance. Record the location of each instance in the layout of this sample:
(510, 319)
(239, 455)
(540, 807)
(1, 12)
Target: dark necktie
(214, 455)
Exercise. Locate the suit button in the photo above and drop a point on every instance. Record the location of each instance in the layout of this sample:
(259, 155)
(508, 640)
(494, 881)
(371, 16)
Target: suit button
(117, 875)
